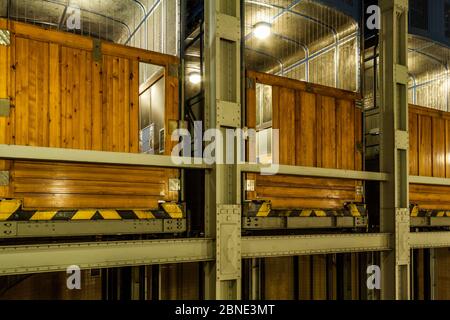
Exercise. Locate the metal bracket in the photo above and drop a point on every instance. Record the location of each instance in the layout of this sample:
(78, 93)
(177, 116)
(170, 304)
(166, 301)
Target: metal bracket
(228, 114)
(401, 74)
(4, 178)
(97, 50)
(174, 185)
(173, 70)
(402, 236)
(402, 140)
(228, 243)
(5, 106)
(249, 185)
(251, 83)
(5, 37)
(228, 27)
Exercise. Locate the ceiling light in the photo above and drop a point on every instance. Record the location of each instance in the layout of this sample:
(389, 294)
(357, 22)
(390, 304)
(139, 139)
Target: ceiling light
(195, 78)
(262, 30)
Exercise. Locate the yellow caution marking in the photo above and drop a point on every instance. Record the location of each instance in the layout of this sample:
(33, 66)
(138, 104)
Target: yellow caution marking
(306, 213)
(441, 214)
(8, 207)
(84, 215)
(43, 215)
(320, 213)
(144, 214)
(415, 211)
(173, 210)
(110, 215)
(354, 210)
(264, 210)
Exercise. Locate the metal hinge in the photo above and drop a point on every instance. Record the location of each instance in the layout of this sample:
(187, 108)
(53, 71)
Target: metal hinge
(4, 178)
(5, 106)
(5, 37)
(97, 50)
(173, 70)
(174, 185)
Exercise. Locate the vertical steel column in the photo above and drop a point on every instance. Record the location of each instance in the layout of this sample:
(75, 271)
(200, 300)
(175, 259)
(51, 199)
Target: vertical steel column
(394, 215)
(223, 112)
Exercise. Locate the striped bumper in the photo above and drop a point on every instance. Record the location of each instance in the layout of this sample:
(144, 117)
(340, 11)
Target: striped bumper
(12, 210)
(422, 213)
(264, 209)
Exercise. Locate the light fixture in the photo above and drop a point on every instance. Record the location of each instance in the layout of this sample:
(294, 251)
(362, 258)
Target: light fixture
(195, 78)
(262, 30)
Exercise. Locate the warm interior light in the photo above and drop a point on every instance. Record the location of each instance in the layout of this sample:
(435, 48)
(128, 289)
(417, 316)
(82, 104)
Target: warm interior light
(262, 30)
(195, 78)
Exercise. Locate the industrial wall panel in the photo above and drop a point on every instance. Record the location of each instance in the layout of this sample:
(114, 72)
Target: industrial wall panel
(429, 144)
(318, 127)
(67, 95)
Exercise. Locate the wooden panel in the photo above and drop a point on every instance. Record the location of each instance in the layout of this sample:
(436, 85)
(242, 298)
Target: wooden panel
(318, 128)
(306, 131)
(442, 274)
(328, 132)
(50, 185)
(345, 134)
(278, 281)
(413, 144)
(438, 144)
(63, 98)
(425, 143)
(305, 279)
(319, 277)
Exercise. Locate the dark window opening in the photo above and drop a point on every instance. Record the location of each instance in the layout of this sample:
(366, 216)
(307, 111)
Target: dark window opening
(419, 14)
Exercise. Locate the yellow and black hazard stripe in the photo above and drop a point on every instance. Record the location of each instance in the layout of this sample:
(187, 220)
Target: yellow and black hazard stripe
(416, 211)
(12, 210)
(262, 208)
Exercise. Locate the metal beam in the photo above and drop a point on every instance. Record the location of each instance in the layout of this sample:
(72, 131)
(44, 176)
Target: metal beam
(55, 228)
(260, 247)
(421, 240)
(223, 192)
(105, 157)
(318, 172)
(429, 180)
(57, 257)
(394, 202)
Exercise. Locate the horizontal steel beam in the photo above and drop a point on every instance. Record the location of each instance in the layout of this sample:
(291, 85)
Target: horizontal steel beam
(57, 257)
(259, 247)
(318, 172)
(87, 156)
(429, 180)
(418, 240)
(55, 228)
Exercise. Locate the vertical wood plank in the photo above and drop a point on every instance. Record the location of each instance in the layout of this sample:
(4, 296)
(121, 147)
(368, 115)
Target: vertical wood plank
(55, 97)
(97, 106)
(134, 107)
(319, 131)
(126, 106)
(346, 126)
(328, 132)
(287, 126)
(31, 113)
(425, 150)
(306, 132)
(21, 107)
(413, 144)
(64, 96)
(358, 138)
(438, 145)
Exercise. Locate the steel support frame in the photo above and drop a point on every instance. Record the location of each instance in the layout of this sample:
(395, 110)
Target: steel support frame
(222, 112)
(394, 202)
(276, 246)
(40, 258)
